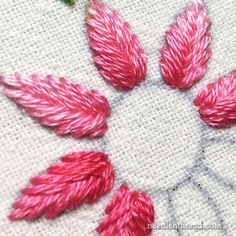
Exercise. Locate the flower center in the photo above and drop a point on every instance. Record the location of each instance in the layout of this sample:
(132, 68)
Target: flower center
(153, 137)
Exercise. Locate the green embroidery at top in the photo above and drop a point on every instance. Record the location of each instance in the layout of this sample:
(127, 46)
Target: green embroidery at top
(70, 2)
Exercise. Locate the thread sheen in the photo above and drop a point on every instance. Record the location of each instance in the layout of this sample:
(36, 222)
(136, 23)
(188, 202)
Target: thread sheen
(117, 51)
(217, 102)
(128, 213)
(69, 109)
(183, 59)
(80, 177)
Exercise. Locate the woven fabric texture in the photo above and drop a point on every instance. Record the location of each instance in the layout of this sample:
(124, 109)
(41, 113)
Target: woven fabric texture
(156, 140)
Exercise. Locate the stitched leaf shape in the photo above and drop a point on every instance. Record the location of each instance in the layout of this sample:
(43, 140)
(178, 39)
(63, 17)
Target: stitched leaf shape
(117, 51)
(217, 102)
(184, 58)
(80, 177)
(129, 213)
(69, 109)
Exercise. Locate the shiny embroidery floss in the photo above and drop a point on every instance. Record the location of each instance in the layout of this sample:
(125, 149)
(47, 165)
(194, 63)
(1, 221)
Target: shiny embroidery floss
(81, 177)
(117, 51)
(217, 102)
(184, 58)
(128, 213)
(67, 108)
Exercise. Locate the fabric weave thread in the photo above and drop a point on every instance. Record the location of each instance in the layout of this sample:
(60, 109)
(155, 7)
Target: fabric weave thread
(60, 49)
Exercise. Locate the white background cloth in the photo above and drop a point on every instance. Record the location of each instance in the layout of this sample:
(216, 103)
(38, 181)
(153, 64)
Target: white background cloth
(155, 139)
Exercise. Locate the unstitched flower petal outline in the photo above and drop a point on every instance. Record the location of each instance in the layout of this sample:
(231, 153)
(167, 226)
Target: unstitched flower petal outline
(71, 109)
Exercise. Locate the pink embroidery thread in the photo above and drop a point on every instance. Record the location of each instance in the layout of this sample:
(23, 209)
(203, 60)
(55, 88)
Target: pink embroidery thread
(217, 102)
(65, 107)
(81, 177)
(72, 109)
(117, 52)
(183, 59)
(129, 213)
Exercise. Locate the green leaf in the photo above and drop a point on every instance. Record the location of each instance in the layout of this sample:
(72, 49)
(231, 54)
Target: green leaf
(70, 2)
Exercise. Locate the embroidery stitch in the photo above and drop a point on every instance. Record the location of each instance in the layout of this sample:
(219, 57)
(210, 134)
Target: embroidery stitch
(216, 102)
(117, 52)
(65, 107)
(81, 177)
(128, 213)
(70, 2)
(124, 197)
(183, 59)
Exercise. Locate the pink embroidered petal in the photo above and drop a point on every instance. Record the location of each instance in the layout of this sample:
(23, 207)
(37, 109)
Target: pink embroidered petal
(81, 177)
(65, 107)
(184, 58)
(117, 51)
(217, 102)
(129, 213)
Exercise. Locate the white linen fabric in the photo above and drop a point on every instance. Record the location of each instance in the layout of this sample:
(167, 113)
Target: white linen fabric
(156, 141)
